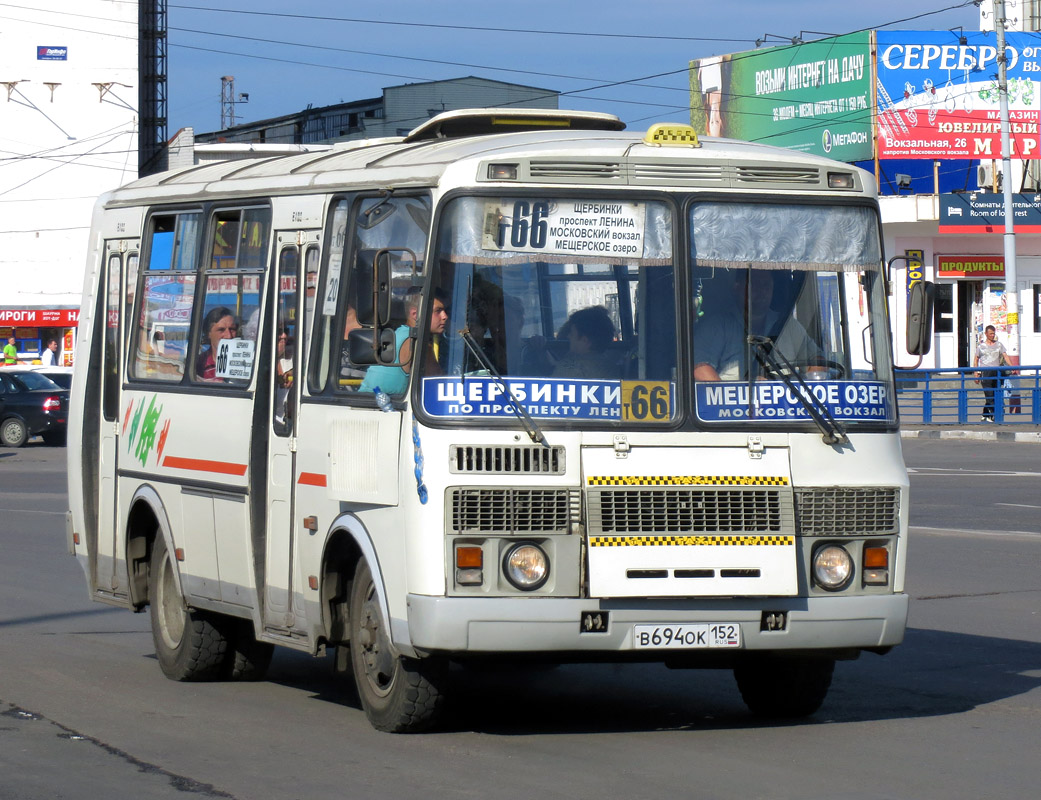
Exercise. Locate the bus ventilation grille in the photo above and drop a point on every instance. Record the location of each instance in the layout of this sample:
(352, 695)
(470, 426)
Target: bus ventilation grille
(513, 511)
(506, 460)
(677, 174)
(690, 511)
(830, 511)
(804, 175)
(575, 170)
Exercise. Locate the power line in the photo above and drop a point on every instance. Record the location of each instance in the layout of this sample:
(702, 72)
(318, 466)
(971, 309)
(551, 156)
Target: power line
(634, 81)
(469, 28)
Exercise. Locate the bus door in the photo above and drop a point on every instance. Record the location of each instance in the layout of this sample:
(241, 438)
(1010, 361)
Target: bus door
(120, 255)
(296, 251)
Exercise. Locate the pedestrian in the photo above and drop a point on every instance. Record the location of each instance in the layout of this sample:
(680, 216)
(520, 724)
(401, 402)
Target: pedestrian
(990, 353)
(11, 352)
(49, 356)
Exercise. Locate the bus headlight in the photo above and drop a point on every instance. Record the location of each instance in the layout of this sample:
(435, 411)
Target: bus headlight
(526, 566)
(832, 567)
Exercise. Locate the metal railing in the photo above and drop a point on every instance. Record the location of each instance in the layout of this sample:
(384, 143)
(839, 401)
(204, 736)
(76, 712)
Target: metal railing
(952, 396)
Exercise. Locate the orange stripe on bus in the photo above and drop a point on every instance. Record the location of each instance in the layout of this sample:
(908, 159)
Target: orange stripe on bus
(311, 479)
(202, 465)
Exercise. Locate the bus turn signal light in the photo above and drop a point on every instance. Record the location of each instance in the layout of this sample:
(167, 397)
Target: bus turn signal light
(469, 563)
(876, 566)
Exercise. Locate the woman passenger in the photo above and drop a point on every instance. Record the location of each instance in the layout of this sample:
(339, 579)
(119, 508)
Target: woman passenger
(218, 324)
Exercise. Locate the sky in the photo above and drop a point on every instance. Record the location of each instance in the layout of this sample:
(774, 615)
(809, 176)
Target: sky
(625, 58)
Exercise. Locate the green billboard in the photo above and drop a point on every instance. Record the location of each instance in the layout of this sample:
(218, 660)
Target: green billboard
(813, 97)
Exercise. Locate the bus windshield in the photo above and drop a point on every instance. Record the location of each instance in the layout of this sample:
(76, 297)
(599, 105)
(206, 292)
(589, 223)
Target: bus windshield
(570, 301)
(573, 305)
(789, 302)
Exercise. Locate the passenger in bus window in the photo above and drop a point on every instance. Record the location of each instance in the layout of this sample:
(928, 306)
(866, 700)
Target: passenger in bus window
(589, 333)
(219, 323)
(351, 376)
(284, 359)
(721, 350)
(394, 380)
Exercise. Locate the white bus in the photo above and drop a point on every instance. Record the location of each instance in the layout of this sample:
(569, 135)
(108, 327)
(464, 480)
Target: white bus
(519, 385)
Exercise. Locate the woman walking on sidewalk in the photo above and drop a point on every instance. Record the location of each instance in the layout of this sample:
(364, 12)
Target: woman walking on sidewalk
(989, 353)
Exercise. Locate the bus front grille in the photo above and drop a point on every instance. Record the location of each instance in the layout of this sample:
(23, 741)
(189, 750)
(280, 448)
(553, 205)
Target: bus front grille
(506, 459)
(512, 511)
(832, 511)
(690, 511)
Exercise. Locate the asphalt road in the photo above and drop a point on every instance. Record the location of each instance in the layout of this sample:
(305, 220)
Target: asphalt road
(954, 712)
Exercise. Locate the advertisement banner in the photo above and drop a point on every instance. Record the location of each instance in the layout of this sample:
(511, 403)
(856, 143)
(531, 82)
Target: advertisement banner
(937, 94)
(41, 317)
(813, 97)
(984, 212)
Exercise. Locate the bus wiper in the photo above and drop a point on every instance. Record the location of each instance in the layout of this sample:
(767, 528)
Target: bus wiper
(831, 431)
(530, 426)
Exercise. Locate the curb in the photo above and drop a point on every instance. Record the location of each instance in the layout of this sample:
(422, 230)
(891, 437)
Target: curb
(987, 436)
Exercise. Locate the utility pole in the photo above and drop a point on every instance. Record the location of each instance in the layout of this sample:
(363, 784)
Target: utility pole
(1011, 277)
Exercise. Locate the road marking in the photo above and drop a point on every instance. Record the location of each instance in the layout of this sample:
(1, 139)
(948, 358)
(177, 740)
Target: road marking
(941, 471)
(962, 531)
(1017, 505)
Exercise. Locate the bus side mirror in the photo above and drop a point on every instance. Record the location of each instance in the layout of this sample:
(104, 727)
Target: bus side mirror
(920, 318)
(366, 346)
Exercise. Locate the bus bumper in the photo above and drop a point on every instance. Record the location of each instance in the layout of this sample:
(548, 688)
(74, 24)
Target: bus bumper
(546, 625)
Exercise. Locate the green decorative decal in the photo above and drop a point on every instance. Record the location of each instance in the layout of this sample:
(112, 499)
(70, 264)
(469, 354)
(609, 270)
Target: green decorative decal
(145, 422)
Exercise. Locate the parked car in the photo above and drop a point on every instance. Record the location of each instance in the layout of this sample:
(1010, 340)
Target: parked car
(31, 404)
(60, 375)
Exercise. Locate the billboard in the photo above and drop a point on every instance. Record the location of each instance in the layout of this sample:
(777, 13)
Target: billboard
(813, 97)
(937, 94)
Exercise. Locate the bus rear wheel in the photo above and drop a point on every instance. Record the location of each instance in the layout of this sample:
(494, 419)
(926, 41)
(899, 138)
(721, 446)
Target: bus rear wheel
(248, 659)
(780, 688)
(190, 645)
(399, 694)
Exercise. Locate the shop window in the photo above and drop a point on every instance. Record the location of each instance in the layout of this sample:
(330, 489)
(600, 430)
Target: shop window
(944, 305)
(1037, 308)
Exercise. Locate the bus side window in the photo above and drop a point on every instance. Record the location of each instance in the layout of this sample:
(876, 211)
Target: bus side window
(392, 229)
(159, 337)
(231, 296)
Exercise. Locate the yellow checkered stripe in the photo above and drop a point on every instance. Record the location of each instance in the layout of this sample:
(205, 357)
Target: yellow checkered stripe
(681, 541)
(686, 480)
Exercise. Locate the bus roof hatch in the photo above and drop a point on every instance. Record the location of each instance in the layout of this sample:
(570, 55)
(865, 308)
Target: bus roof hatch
(481, 121)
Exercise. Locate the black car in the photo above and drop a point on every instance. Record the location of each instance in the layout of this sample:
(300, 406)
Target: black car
(31, 405)
(60, 375)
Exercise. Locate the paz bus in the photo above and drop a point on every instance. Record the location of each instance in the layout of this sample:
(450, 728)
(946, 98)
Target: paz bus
(519, 385)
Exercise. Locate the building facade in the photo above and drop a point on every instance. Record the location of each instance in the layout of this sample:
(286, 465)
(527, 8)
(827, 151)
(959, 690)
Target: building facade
(395, 113)
(69, 126)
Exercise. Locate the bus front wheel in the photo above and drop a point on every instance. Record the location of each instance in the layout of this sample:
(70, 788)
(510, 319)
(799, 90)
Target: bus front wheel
(190, 645)
(399, 694)
(779, 687)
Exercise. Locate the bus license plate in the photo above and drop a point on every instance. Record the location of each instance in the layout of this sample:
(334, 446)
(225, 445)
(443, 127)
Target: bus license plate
(696, 636)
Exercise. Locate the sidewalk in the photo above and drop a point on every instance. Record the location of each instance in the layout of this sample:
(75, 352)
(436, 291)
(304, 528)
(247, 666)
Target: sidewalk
(988, 432)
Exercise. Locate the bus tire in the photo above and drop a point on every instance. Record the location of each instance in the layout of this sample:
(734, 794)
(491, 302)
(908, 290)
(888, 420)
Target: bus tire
(250, 659)
(190, 645)
(784, 687)
(13, 432)
(398, 694)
